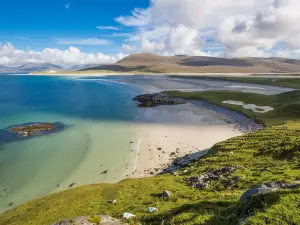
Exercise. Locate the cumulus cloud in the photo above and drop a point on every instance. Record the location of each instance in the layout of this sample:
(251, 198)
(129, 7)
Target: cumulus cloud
(87, 41)
(241, 28)
(128, 48)
(107, 28)
(11, 56)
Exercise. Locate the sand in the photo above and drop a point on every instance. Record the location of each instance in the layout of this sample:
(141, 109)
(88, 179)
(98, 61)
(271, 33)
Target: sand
(253, 107)
(157, 142)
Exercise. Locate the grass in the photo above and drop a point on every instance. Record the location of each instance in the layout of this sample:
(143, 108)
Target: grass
(280, 82)
(218, 204)
(286, 105)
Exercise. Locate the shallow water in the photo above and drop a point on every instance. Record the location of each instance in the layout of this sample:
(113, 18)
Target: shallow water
(101, 117)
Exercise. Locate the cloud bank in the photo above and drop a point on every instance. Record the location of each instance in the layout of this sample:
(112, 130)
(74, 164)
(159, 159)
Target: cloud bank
(72, 56)
(220, 27)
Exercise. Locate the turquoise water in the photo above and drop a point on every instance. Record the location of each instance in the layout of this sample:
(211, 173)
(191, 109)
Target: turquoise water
(100, 115)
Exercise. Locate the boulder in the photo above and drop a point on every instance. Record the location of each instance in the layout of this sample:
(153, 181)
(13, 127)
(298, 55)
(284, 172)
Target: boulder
(266, 188)
(128, 215)
(166, 194)
(150, 100)
(91, 220)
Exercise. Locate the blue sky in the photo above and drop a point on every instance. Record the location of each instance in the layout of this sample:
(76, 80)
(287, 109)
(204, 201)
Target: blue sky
(36, 24)
(69, 32)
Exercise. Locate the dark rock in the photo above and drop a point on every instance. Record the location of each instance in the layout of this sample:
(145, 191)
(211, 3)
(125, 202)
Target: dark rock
(266, 188)
(29, 130)
(157, 99)
(105, 172)
(166, 194)
(203, 180)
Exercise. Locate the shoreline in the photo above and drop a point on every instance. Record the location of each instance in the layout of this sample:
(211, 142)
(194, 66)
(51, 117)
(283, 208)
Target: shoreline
(99, 74)
(161, 144)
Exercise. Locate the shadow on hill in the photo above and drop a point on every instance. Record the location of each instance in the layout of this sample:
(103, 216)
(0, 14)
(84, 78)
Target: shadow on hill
(207, 61)
(184, 161)
(219, 212)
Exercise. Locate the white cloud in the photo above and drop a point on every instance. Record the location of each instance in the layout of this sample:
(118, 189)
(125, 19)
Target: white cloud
(67, 6)
(241, 28)
(107, 28)
(129, 48)
(87, 41)
(11, 56)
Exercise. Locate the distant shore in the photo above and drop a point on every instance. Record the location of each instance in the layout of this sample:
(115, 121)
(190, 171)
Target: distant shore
(98, 74)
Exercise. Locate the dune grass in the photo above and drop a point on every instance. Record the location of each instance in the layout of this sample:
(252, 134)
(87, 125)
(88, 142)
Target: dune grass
(286, 105)
(268, 155)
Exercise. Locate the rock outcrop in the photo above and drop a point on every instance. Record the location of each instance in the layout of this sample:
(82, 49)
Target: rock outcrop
(91, 220)
(203, 181)
(268, 187)
(150, 100)
(29, 130)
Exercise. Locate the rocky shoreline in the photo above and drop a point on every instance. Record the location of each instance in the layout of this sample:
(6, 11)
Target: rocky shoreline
(151, 100)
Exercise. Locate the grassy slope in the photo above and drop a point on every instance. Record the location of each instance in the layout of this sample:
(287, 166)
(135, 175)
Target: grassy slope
(286, 105)
(276, 154)
(217, 205)
(280, 82)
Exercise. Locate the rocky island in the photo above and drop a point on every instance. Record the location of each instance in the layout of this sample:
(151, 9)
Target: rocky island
(29, 130)
(151, 100)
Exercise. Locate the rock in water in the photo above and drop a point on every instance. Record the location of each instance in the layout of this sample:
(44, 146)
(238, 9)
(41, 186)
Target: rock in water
(29, 130)
(150, 100)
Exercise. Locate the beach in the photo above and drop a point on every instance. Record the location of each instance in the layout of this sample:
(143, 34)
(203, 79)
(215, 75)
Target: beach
(160, 144)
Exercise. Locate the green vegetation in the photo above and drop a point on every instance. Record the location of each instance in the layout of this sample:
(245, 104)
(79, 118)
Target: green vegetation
(94, 219)
(280, 82)
(286, 105)
(268, 155)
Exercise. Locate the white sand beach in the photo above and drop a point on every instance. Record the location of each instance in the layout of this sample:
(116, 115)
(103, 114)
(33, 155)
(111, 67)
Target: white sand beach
(158, 143)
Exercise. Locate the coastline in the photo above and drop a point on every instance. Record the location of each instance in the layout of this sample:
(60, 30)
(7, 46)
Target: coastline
(161, 144)
(99, 74)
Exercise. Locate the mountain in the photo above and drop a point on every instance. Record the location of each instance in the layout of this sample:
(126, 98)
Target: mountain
(146, 62)
(31, 67)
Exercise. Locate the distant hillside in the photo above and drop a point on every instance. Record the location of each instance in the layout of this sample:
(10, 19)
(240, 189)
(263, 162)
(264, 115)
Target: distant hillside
(31, 67)
(146, 62)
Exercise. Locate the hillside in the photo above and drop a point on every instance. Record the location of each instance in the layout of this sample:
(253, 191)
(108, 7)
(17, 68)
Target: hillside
(31, 67)
(146, 62)
(236, 165)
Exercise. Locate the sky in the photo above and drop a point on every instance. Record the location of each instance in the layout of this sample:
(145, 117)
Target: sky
(71, 32)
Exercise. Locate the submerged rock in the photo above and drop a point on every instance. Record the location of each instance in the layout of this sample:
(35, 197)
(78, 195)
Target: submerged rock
(28, 130)
(150, 100)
